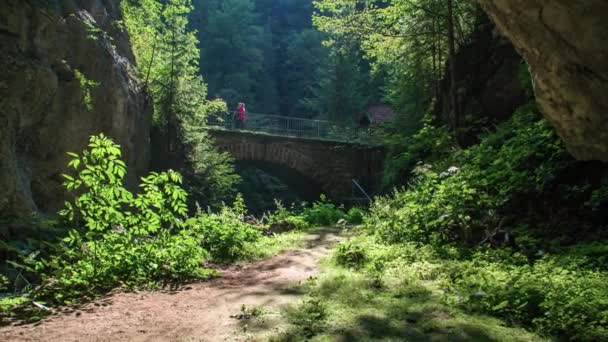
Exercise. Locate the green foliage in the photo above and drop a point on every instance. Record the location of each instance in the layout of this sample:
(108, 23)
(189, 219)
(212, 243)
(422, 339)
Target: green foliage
(305, 57)
(429, 143)
(433, 210)
(231, 57)
(211, 178)
(525, 77)
(553, 295)
(86, 86)
(349, 254)
(599, 196)
(3, 282)
(521, 158)
(323, 213)
(405, 40)
(282, 215)
(127, 239)
(355, 215)
(340, 92)
(310, 317)
(225, 235)
(9, 304)
(93, 31)
(167, 57)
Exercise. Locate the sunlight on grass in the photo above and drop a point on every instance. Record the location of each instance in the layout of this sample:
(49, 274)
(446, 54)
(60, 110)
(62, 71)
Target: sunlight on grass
(269, 246)
(347, 305)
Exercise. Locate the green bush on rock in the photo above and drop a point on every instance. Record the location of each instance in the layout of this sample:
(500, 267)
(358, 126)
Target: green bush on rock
(460, 196)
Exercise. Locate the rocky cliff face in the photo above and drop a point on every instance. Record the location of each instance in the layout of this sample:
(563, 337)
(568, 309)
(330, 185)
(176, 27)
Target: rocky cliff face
(66, 73)
(488, 85)
(565, 43)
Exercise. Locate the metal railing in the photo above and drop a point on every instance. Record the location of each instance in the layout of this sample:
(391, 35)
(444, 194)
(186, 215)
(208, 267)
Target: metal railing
(360, 189)
(274, 124)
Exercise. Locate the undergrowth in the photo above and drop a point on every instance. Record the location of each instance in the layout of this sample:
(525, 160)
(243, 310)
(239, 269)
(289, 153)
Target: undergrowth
(121, 239)
(383, 300)
(509, 228)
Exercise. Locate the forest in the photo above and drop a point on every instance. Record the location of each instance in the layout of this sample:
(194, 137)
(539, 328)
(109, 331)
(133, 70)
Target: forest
(303, 170)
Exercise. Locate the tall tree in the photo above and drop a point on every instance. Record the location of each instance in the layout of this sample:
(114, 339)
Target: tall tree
(305, 57)
(407, 37)
(455, 115)
(170, 62)
(232, 57)
(340, 94)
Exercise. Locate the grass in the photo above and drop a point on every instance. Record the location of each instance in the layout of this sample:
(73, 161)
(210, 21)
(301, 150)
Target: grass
(269, 246)
(349, 305)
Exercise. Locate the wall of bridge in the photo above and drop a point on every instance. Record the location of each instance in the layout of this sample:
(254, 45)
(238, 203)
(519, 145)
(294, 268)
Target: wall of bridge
(332, 165)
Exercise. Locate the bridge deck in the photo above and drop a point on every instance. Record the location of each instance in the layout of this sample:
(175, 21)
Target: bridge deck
(289, 127)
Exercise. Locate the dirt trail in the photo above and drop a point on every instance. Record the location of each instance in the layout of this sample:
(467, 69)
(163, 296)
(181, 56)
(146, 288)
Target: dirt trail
(198, 312)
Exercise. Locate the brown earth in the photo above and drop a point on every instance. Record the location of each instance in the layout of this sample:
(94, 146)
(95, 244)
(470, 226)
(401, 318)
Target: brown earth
(196, 312)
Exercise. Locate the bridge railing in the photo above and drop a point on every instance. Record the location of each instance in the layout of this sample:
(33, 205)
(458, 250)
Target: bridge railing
(275, 125)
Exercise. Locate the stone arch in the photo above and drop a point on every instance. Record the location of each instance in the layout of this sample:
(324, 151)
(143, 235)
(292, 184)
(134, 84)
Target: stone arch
(333, 165)
(284, 155)
(301, 185)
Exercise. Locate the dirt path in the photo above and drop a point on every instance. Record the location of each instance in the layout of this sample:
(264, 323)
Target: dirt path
(198, 312)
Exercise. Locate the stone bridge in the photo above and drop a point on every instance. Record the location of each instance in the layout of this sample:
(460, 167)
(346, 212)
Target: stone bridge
(330, 166)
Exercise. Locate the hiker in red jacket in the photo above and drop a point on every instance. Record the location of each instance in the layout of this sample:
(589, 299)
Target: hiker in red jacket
(240, 116)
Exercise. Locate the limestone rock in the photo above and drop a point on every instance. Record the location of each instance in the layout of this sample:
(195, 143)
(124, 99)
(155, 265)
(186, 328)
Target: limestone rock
(43, 115)
(565, 43)
(487, 78)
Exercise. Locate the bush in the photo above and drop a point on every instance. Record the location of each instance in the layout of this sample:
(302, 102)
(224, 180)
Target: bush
(429, 143)
(283, 216)
(569, 302)
(433, 210)
(310, 317)
(323, 213)
(350, 254)
(457, 204)
(225, 234)
(125, 239)
(355, 215)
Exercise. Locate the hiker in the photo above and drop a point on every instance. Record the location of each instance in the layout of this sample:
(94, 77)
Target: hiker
(240, 116)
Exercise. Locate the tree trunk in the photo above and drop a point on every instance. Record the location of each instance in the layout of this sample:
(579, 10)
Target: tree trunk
(455, 113)
(170, 114)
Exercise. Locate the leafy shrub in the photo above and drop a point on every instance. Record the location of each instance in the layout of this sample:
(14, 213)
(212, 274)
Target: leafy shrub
(599, 196)
(310, 317)
(460, 202)
(432, 210)
(553, 299)
(563, 294)
(126, 239)
(429, 143)
(350, 254)
(224, 234)
(355, 215)
(323, 213)
(282, 215)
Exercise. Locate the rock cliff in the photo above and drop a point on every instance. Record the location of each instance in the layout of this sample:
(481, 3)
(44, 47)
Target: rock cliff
(67, 73)
(487, 79)
(565, 42)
